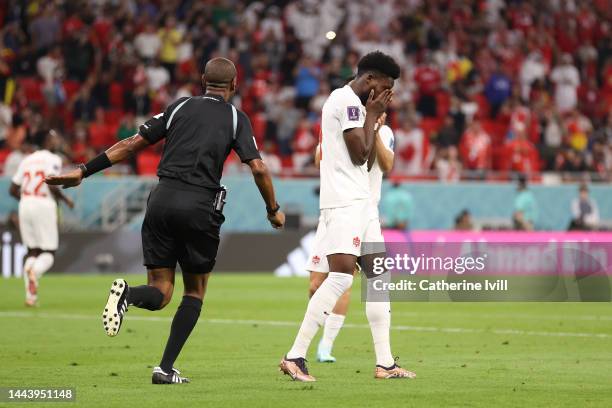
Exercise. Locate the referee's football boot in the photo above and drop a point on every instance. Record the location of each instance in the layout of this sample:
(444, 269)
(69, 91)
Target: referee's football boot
(162, 377)
(116, 307)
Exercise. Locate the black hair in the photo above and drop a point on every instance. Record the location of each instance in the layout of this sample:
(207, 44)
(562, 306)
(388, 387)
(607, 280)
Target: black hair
(461, 215)
(378, 62)
(219, 73)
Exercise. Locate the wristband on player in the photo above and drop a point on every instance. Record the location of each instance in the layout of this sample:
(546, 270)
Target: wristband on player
(98, 163)
(272, 211)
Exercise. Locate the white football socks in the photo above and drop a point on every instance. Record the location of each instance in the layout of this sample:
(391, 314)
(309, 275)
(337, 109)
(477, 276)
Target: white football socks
(332, 327)
(29, 262)
(379, 317)
(320, 306)
(35, 267)
(43, 263)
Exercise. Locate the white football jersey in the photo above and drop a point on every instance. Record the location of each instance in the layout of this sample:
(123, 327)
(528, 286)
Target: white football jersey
(376, 174)
(342, 182)
(31, 173)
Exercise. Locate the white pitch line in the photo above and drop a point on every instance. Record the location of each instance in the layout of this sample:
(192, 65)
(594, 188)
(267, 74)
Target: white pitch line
(281, 323)
(590, 318)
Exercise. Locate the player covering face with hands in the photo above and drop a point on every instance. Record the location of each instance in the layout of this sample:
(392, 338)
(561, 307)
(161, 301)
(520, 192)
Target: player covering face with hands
(347, 144)
(185, 210)
(319, 268)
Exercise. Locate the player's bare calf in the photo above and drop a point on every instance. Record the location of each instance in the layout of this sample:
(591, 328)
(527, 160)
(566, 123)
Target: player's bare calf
(115, 308)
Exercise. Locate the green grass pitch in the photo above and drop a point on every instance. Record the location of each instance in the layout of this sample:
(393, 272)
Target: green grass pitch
(465, 355)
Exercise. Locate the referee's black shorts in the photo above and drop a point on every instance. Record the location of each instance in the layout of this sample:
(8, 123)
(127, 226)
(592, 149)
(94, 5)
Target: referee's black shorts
(181, 226)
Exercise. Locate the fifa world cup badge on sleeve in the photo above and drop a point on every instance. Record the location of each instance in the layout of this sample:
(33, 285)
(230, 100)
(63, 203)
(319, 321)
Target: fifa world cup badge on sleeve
(353, 112)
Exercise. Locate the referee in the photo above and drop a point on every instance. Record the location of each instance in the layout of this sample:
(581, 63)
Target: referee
(184, 211)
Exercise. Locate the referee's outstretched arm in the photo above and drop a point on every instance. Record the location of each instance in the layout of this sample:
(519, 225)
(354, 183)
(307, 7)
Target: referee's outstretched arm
(127, 147)
(116, 153)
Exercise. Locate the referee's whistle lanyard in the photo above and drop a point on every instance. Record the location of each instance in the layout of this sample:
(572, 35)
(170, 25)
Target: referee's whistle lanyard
(219, 202)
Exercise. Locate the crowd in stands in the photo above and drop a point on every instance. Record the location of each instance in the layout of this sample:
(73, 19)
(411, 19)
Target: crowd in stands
(488, 87)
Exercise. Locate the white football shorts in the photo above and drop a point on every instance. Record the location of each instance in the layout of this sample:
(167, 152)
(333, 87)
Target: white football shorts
(38, 223)
(342, 230)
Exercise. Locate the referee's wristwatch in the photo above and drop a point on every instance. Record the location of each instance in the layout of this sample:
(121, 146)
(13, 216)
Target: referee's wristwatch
(272, 210)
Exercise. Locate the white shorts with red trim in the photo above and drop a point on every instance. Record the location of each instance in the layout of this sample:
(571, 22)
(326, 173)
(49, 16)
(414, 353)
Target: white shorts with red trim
(342, 230)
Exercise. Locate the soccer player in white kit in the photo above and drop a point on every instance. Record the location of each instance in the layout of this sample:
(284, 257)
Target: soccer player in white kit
(348, 138)
(317, 263)
(38, 212)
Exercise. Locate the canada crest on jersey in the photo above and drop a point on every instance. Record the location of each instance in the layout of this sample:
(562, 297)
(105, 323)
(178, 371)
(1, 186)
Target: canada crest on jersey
(356, 242)
(316, 260)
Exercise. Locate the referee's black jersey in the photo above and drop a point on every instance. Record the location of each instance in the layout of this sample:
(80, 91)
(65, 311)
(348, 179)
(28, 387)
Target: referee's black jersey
(200, 132)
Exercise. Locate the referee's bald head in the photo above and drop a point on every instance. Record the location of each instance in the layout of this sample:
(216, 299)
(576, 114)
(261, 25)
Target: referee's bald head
(219, 73)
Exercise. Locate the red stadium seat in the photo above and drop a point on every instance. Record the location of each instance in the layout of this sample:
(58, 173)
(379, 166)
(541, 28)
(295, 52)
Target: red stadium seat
(443, 101)
(68, 119)
(113, 117)
(259, 124)
(101, 136)
(32, 88)
(147, 162)
(156, 106)
(497, 130)
(484, 110)
(71, 88)
(287, 162)
(430, 126)
(499, 158)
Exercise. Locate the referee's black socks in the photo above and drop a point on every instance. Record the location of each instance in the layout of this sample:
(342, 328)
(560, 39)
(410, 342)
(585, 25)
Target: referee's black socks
(145, 297)
(183, 323)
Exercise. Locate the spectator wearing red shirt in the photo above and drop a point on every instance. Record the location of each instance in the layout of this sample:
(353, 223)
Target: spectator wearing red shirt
(521, 155)
(589, 98)
(523, 119)
(566, 37)
(475, 147)
(304, 143)
(427, 78)
(103, 27)
(587, 23)
(79, 147)
(101, 134)
(72, 24)
(522, 17)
